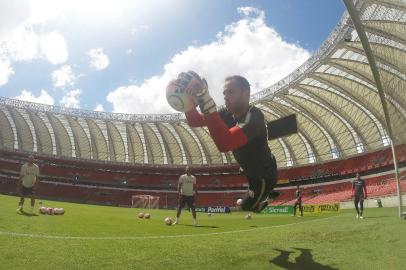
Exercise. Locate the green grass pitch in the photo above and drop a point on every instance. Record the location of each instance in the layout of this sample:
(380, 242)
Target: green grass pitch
(98, 237)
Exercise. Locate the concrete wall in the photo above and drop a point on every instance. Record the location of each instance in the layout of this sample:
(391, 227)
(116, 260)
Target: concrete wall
(389, 201)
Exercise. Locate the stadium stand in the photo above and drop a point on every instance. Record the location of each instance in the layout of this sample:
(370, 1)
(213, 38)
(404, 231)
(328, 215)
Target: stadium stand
(101, 184)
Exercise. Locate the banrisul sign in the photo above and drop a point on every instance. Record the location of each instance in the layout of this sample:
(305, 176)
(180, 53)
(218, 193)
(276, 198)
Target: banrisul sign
(278, 209)
(213, 209)
(321, 208)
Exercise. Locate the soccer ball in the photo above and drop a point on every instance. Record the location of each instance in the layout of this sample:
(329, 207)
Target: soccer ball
(209, 214)
(239, 201)
(147, 215)
(56, 211)
(168, 221)
(141, 215)
(62, 211)
(177, 97)
(248, 216)
(50, 211)
(43, 210)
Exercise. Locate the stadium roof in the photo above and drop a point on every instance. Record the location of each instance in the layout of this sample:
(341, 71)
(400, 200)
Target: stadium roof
(333, 94)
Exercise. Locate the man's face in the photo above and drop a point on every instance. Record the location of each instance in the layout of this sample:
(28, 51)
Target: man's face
(30, 160)
(357, 175)
(234, 97)
(188, 170)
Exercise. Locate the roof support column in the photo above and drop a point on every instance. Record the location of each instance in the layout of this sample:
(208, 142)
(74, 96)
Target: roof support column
(354, 14)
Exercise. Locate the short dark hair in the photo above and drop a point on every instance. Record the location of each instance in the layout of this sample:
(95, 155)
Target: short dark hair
(241, 81)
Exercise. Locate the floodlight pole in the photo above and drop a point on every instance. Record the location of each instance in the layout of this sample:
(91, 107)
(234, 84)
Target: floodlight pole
(354, 14)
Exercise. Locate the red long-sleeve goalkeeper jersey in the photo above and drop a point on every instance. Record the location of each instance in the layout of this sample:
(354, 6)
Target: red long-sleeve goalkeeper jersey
(246, 137)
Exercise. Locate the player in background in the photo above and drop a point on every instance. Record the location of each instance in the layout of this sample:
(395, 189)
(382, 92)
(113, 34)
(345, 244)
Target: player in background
(240, 128)
(298, 202)
(28, 183)
(187, 190)
(359, 193)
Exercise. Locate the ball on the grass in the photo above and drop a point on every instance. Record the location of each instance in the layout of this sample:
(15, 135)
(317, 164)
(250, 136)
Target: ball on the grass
(141, 215)
(177, 98)
(56, 211)
(248, 216)
(239, 201)
(168, 221)
(209, 214)
(50, 211)
(147, 215)
(43, 210)
(62, 211)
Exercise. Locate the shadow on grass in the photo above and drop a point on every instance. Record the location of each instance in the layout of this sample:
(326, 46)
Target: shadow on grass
(27, 214)
(303, 261)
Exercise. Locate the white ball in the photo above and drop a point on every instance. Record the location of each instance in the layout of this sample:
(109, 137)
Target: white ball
(56, 211)
(248, 216)
(50, 211)
(147, 215)
(62, 211)
(209, 214)
(43, 210)
(239, 201)
(141, 215)
(178, 99)
(168, 221)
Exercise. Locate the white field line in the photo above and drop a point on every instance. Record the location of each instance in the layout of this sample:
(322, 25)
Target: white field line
(62, 237)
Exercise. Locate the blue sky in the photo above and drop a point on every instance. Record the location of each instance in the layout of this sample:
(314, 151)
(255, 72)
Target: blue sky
(119, 55)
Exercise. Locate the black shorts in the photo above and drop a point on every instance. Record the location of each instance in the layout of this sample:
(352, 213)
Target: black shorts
(358, 198)
(27, 191)
(261, 187)
(298, 203)
(189, 200)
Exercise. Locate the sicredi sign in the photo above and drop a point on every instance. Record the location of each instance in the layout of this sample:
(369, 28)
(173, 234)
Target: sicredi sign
(278, 209)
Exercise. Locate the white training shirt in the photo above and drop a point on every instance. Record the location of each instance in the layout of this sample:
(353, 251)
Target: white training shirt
(29, 174)
(187, 182)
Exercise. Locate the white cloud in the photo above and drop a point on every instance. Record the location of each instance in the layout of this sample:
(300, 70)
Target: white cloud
(13, 15)
(129, 51)
(18, 39)
(54, 48)
(5, 71)
(251, 11)
(98, 59)
(149, 97)
(71, 99)
(43, 98)
(64, 76)
(24, 44)
(44, 10)
(99, 108)
(139, 28)
(247, 47)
